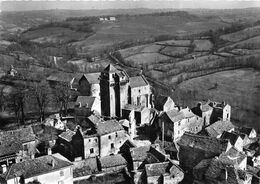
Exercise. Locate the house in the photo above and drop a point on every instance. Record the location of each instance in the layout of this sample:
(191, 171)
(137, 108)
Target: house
(87, 105)
(112, 18)
(141, 114)
(204, 111)
(114, 84)
(164, 103)
(174, 123)
(12, 72)
(194, 148)
(250, 132)
(10, 152)
(220, 111)
(139, 91)
(61, 78)
(112, 163)
(51, 169)
(219, 170)
(234, 139)
(111, 136)
(22, 137)
(89, 85)
(216, 129)
(85, 168)
(164, 172)
(71, 144)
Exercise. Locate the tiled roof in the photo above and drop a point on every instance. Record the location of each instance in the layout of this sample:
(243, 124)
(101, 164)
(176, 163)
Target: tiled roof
(93, 78)
(85, 167)
(209, 144)
(37, 166)
(112, 161)
(94, 119)
(138, 81)
(137, 108)
(107, 127)
(232, 137)
(175, 115)
(86, 101)
(10, 148)
(45, 133)
(61, 77)
(67, 135)
(205, 107)
(160, 101)
(156, 169)
(139, 153)
(218, 128)
(22, 135)
(187, 113)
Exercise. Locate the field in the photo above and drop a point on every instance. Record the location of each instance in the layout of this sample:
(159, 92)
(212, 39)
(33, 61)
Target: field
(231, 88)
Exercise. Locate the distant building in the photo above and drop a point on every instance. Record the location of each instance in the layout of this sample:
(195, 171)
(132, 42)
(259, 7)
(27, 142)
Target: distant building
(174, 123)
(87, 105)
(12, 72)
(194, 148)
(250, 132)
(112, 18)
(221, 111)
(234, 139)
(164, 103)
(89, 85)
(51, 169)
(216, 129)
(204, 111)
(140, 92)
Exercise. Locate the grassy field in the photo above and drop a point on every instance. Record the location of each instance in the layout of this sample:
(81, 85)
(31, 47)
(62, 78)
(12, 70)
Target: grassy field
(231, 87)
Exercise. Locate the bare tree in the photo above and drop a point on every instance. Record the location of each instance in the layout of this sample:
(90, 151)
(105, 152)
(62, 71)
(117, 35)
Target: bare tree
(41, 92)
(62, 93)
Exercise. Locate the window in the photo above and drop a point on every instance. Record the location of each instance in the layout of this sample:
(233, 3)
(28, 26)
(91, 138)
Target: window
(227, 115)
(91, 150)
(179, 123)
(60, 182)
(61, 173)
(112, 146)
(25, 147)
(96, 140)
(109, 137)
(89, 140)
(116, 134)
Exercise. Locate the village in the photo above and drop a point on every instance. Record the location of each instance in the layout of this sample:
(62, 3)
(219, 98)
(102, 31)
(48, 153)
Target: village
(119, 132)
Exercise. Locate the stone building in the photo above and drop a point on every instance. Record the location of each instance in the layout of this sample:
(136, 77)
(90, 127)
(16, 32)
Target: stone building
(250, 132)
(204, 111)
(221, 111)
(114, 84)
(112, 163)
(51, 169)
(234, 139)
(195, 148)
(87, 105)
(139, 91)
(216, 129)
(174, 124)
(89, 85)
(164, 103)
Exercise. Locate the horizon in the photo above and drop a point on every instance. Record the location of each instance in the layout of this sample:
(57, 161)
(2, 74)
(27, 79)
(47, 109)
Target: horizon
(18, 5)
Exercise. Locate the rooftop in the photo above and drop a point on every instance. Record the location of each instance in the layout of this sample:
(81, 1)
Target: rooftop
(108, 126)
(157, 169)
(85, 167)
(139, 153)
(232, 156)
(93, 78)
(67, 135)
(110, 69)
(137, 108)
(218, 128)
(209, 144)
(232, 137)
(10, 148)
(175, 115)
(138, 81)
(61, 77)
(160, 101)
(112, 161)
(246, 130)
(86, 101)
(37, 166)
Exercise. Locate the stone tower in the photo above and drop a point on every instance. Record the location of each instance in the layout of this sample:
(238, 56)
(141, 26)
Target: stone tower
(114, 84)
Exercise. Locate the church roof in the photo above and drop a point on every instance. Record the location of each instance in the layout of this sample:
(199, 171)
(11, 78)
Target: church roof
(110, 69)
(138, 81)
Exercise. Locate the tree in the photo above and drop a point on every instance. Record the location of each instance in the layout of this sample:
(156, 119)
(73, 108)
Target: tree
(62, 95)
(42, 93)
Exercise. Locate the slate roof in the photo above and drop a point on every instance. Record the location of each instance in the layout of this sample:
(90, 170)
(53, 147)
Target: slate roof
(205, 107)
(175, 115)
(160, 101)
(138, 81)
(139, 153)
(61, 77)
(45, 133)
(232, 137)
(137, 108)
(156, 169)
(10, 148)
(208, 144)
(187, 113)
(110, 68)
(93, 78)
(22, 135)
(108, 126)
(246, 130)
(85, 167)
(67, 135)
(37, 166)
(94, 119)
(218, 128)
(86, 101)
(112, 161)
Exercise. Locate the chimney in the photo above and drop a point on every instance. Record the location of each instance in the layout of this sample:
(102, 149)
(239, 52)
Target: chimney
(49, 151)
(52, 163)
(3, 169)
(79, 104)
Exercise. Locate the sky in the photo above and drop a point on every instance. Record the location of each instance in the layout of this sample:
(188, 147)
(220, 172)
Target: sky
(16, 5)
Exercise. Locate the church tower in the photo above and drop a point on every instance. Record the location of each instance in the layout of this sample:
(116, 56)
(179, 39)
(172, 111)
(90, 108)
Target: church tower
(114, 85)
